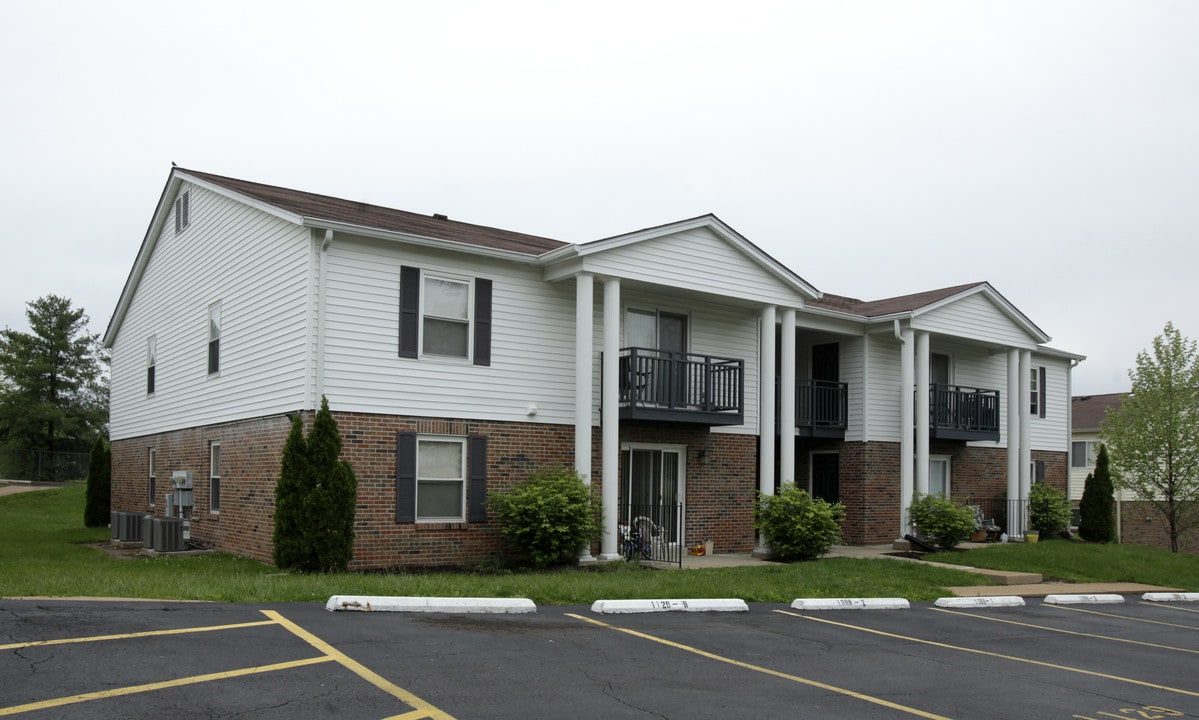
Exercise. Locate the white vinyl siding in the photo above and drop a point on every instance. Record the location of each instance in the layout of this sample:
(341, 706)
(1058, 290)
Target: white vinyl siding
(974, 317)
(694, 260)
(258, 266)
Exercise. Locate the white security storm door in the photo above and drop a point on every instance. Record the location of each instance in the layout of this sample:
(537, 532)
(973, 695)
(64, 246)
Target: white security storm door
(653, 488)
(938, 476)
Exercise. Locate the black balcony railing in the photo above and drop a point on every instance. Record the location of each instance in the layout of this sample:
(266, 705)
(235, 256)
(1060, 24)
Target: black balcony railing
(962, 413)
(681, 387)
(821, 408)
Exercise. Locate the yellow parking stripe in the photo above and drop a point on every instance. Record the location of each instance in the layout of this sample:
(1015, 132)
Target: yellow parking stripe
(164, 685)
(987, 653)
(1122, 617)
(766, 671)
(1067, 632)
(424, 709)
(126, 636)
(1167, 606)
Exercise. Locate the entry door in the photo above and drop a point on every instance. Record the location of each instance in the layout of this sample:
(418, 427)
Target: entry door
(826, 476)
(653, 488)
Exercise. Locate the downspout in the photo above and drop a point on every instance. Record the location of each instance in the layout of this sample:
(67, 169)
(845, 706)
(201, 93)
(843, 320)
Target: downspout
(320, 318)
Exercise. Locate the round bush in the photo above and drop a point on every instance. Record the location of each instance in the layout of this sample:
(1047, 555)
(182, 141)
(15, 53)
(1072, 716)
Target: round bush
(549, 516)
(796, 526)
(941, 520)
(1048, 510)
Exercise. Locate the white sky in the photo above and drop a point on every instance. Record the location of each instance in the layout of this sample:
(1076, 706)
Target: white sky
(876, 148)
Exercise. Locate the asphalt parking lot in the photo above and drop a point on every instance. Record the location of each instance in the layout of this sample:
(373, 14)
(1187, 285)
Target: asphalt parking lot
(64, 659)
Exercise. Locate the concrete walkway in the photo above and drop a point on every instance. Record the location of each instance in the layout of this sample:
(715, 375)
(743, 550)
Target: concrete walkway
(1008, 582)
(12, 487)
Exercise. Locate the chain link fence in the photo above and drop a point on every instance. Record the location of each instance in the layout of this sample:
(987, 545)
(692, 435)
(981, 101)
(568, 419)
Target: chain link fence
(42, 465)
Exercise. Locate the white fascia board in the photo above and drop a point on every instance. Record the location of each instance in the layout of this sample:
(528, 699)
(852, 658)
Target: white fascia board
(1062, 354)
(419, 240)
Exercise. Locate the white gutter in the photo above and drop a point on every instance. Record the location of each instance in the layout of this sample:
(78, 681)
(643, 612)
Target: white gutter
(421, 240)
(321, 286)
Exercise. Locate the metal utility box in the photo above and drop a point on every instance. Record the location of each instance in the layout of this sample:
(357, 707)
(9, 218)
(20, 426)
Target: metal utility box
(184, 495)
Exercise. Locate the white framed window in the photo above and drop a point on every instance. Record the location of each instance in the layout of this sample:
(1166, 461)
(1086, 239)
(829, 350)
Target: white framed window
(214, 476)
(151, 362)
(1082, 453)
(656, 330)
(440, 479)
(214, 338)
(938, 475)
(152, 462)
(1036, 393)
(445, 325)
(183, 211)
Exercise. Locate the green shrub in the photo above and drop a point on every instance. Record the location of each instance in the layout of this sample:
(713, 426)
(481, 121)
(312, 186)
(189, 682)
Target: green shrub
(941, 520)
(315, 499)
(550, 516)
(1048, 509)
(96, 510)
(1097, 522)
(797, 527)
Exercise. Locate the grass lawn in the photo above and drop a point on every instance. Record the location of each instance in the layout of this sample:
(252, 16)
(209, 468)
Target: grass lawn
(44, 552)
(1086, 562)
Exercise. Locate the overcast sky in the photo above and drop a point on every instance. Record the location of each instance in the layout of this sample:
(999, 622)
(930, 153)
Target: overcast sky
(876, 148)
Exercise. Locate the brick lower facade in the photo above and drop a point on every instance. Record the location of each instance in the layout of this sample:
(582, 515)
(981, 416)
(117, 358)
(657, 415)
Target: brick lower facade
(1141, 523)
(720, 482)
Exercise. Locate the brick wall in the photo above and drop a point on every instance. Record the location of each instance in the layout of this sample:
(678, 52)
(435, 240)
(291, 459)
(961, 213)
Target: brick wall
(1143, 524)
(720, 485)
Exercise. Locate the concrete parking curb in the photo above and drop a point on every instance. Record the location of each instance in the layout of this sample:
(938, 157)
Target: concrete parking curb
(1084, 599)
(369, 603)
(1170, 597)
(650, 606)
(977, 602)
(850, 604)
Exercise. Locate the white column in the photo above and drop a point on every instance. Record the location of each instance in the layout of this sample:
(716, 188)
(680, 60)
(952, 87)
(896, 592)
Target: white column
(922, 412)
(1014, 526)
(1022, 406)
(766, 413)
(907, 405)
(610, 421)
(787, 398)
(584, 366)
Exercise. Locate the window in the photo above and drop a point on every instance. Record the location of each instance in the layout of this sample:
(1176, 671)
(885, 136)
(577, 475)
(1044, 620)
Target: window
(151, 361)
(1036, 395)
(1082, 453)
(183, 211)
(655, 330)
(938, 369)
(214, 477)
(153, 460)
(432, 480)
(445, 316)
(440, 479)
(938, 476)
(214, 338)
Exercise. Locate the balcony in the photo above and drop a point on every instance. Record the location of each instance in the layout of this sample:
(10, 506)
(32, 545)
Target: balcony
(821, 409)
(962, 413)
(681, 387)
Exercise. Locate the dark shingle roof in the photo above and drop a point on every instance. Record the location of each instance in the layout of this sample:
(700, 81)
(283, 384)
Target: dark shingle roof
(1088, 411)
(323, 207)
(887, 306)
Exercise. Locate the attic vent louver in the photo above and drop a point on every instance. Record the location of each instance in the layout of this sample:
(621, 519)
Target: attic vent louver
(439, 216)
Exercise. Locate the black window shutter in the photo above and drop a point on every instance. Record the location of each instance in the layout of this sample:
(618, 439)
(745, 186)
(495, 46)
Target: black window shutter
(476, 491)
(409, 311)
(187, 212)
(178, 215)
(482, 321)
(1039, 472)
(1041, 392)
(405, 477)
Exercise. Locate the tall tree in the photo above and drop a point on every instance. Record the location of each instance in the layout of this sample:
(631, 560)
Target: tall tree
(1153, 436)
(1097, 522)
(53, 392)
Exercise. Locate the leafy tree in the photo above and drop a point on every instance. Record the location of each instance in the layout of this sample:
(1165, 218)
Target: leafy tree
(315, 499)
(797, 526)
(53, 393)
(96, 510)
(941, 519)
(1153, 437)
(1048, 510)
(1098, 522)
(550, 515)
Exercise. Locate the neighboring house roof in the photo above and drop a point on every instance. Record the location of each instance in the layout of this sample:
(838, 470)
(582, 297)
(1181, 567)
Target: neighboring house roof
(1088, 411)
(316, 208)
